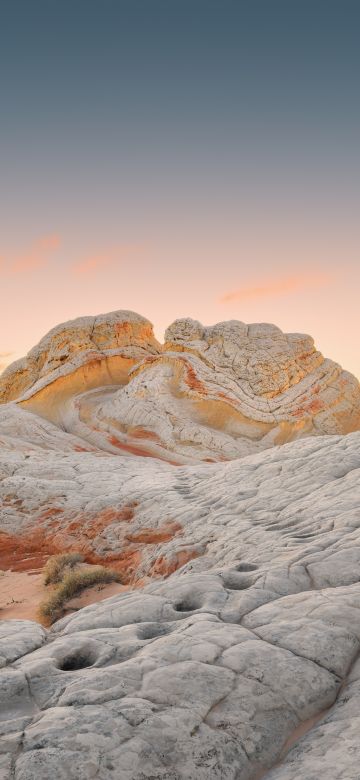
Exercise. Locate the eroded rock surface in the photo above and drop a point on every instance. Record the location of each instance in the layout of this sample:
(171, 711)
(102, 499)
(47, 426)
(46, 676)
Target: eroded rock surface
(234, 655)
(69, 347)
(210, 672)
(150, 518)
(214, 393)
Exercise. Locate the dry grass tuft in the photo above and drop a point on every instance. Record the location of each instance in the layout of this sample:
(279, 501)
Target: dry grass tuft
(73, 583)
(58, 565)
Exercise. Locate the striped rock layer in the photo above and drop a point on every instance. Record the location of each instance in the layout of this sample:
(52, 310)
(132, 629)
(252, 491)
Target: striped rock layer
(234, 654)
(207, 394)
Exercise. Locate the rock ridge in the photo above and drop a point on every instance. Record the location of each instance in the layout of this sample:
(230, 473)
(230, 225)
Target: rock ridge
(209, 393)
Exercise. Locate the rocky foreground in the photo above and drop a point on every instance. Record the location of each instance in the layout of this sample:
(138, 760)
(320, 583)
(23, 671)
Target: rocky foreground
(235, 653)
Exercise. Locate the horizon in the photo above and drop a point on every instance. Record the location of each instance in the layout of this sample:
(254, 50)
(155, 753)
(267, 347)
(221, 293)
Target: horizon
(199, 159)
(159, 335)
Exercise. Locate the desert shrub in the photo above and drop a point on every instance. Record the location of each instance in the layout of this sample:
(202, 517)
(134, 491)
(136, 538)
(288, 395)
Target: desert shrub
(71, 585)
(57, 566)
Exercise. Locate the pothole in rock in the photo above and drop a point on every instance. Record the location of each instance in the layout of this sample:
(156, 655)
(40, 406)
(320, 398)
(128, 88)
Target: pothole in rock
(187, 605)
(237, 581)
(76, 661)
(246, 566)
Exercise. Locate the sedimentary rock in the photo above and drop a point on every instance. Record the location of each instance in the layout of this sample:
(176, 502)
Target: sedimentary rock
(149, 518)
(234, 655)
(213, 393)
(91, 342)
(215, 670)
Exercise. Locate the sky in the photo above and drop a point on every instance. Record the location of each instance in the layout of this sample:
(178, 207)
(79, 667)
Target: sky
(180, 158)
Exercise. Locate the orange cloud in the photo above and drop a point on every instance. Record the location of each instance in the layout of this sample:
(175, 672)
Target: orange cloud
(37, 256)
(283, 286)
(92, 263)
(97, 262)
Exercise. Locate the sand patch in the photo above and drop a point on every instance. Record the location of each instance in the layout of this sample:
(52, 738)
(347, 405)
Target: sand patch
(21, 593)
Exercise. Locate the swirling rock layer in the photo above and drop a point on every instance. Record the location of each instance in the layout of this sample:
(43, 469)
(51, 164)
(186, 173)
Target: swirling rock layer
(212, 393)
(234, 654)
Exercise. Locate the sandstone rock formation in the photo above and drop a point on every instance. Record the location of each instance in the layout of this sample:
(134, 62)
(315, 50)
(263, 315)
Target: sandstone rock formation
(218, 670)
(234, 655)
(73, 345)
(214, 393)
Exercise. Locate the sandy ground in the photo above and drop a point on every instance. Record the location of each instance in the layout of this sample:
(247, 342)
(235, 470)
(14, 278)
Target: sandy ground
(22, 591)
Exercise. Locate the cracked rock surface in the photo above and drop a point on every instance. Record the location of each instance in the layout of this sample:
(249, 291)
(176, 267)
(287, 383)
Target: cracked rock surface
(235, 652)
(209, 393)
(214, 670)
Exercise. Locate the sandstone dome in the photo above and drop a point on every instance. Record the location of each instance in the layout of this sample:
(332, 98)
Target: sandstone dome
(209, 393)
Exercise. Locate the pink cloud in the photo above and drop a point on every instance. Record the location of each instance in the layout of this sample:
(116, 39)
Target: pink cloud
(92, 263)
(36, 256)
(97, 262)
(277, 287)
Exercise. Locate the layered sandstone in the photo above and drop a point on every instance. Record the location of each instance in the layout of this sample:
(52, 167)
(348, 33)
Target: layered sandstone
(213, 393)
(90, 342)
(234, 653)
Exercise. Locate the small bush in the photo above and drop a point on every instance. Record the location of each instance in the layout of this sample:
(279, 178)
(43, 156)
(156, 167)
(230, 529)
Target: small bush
(58, 565)
(73, 583)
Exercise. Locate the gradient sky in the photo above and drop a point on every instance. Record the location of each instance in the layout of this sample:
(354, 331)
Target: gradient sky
(181, 158)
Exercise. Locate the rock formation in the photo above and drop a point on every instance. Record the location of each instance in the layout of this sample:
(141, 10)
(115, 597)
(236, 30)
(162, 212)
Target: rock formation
(234, 654)
(214, 393)
(217, 670)
(90, 342)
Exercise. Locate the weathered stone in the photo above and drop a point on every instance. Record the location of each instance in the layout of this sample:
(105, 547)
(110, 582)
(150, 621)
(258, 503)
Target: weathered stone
(213, 393)
(236, 656)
